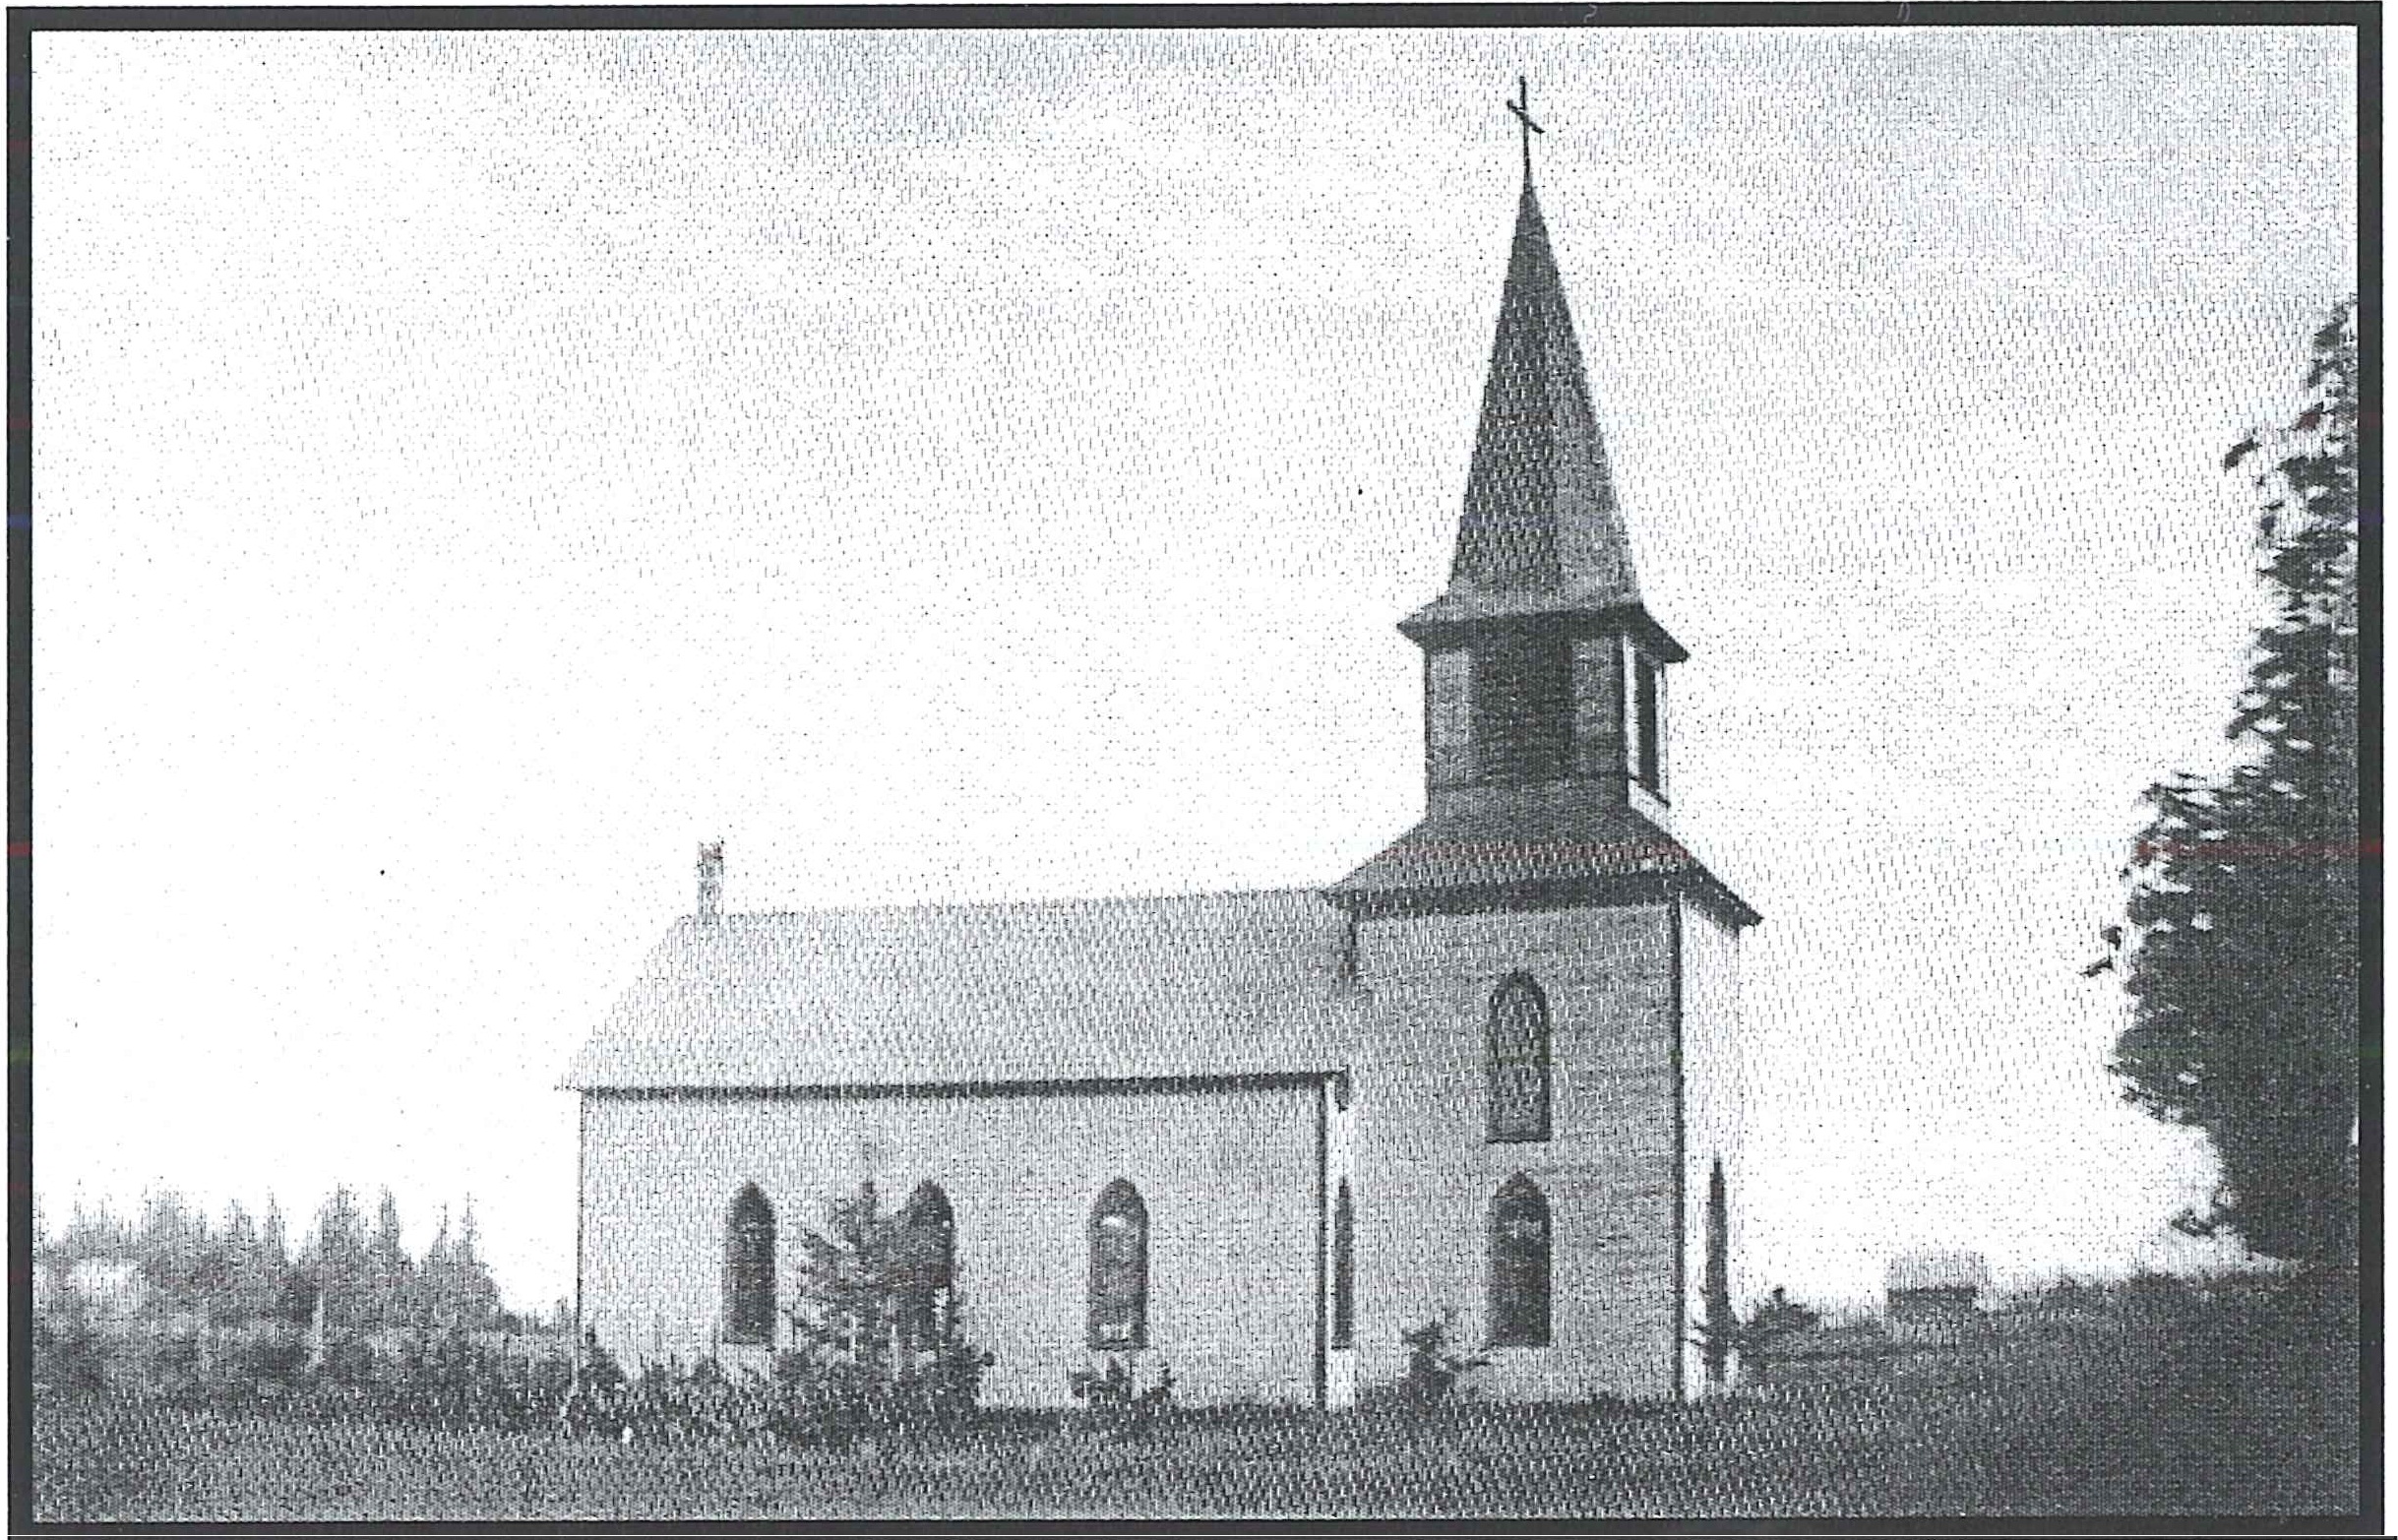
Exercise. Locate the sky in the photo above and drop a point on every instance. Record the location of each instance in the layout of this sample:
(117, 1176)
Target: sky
(471, 471)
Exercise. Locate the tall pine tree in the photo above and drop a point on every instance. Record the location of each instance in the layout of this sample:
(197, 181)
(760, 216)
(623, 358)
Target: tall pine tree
(389, 1282)
(336, 1262)
(2240, 948)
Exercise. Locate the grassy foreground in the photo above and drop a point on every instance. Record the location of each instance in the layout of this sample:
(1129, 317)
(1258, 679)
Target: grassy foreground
(2246, 1403)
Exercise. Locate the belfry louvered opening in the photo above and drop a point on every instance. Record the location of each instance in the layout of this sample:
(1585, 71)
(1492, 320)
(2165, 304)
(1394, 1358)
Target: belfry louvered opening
(1524, 707)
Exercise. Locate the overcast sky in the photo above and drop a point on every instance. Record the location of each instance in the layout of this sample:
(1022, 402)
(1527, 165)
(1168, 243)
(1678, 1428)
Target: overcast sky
(471, 471)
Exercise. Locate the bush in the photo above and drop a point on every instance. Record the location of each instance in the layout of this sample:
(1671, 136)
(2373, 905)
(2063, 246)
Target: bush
(879, 1323)
(1114, 1400)
(1434, 1367)
(809, 1397)
(69, 1355)
(449, 1380)
(2157, 1292)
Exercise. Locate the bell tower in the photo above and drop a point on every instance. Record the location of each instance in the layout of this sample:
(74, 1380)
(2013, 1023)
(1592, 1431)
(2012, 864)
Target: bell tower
(1544, 672)
(1545, 730)
(1552, 1092)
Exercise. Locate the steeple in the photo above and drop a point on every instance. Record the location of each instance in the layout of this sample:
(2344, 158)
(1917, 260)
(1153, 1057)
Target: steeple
(1544, 673)
(1542, 532)
(1541, 517)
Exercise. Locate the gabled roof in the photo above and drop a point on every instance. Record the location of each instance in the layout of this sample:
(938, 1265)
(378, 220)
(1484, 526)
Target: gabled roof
(1567, 851)
(1205, 985)
(1542, 531)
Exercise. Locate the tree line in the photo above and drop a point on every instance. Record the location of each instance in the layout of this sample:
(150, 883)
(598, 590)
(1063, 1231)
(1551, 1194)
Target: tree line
(345, 1275)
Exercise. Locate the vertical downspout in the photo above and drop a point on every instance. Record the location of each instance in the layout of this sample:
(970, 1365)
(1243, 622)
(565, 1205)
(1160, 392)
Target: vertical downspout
(1323, 1157)
(1681, 1259)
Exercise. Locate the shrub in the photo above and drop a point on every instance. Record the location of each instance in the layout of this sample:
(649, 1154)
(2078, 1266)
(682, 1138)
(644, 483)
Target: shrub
(1114, 1402)
(879, 1325)
(2071, 1293)
(809, 1397)
(450, 1380)
(1759, 1338)
(1434, 1367)
(69, 1354)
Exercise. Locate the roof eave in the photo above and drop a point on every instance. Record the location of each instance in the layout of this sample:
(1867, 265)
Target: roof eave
(1452, 619)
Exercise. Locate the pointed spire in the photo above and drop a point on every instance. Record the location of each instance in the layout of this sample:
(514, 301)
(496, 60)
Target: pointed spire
(1542, 530)
(1541, 515)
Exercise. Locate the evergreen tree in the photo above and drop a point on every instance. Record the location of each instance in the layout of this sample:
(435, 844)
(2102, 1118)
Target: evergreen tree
(429, 1290)
(877, 1316)
(390, 1272)
(271, 1239)
(173, 1249)
(336, 1262)
(253, 1278)
(851, 1274)
(94, 1234)
(2241, 949)
(476, 1293)
(451, 1286)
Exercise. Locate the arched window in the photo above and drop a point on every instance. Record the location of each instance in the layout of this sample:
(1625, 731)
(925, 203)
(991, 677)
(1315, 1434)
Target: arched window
(1519, 1061)
(749, 1267)
(1520, 1265)
(1119, 1268)
(928, 1257)
(1344, 1267)
(1716, 1287)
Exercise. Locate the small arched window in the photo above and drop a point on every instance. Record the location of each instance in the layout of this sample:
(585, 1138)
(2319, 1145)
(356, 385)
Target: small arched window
(1119, 1268)
(1520, 1265)
(749, 1267)
(1344, 1267)
(928, 1259)
(1519, 1062)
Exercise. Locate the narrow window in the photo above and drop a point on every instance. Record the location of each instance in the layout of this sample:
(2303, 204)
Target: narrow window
(1597, 717)
(1648, 698)
(1344, 1269)
(1716, 1287)
(1449, 715)
(749, 1267)
(928, 1259)
(1119, 1268)
(1519, 1062)
(1524, 707)
(1520, 1265)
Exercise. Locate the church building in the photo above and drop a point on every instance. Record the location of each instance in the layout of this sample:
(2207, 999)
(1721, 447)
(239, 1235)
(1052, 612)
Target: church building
(1255, 1137)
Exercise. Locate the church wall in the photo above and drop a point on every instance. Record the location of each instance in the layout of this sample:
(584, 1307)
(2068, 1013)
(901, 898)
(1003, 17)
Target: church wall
(1427, 1171)
(1229, 1176)
(1714, 1091)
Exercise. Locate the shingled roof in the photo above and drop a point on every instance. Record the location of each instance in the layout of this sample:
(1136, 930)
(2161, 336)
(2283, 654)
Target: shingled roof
(1571, 849)
(1205, 985)
(1542, 531)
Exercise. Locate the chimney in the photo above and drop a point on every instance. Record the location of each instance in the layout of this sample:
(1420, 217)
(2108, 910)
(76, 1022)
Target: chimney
(711, 879)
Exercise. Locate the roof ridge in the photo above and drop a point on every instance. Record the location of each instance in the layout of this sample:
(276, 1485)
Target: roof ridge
(1091, 900)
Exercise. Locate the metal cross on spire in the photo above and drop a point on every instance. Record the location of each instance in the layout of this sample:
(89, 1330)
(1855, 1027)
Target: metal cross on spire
(1521, 107)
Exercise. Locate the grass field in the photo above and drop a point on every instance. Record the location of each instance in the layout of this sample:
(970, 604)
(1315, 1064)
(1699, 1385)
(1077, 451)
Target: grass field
(2245, 1404)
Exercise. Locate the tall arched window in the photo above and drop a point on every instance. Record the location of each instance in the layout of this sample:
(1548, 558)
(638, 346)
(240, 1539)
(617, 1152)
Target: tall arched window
(1344, 1267)
(749, 1267)
(1119, 1268)
(1519, 1061)
(1715, 1289)
(927, 1240)
(1520, 1265)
